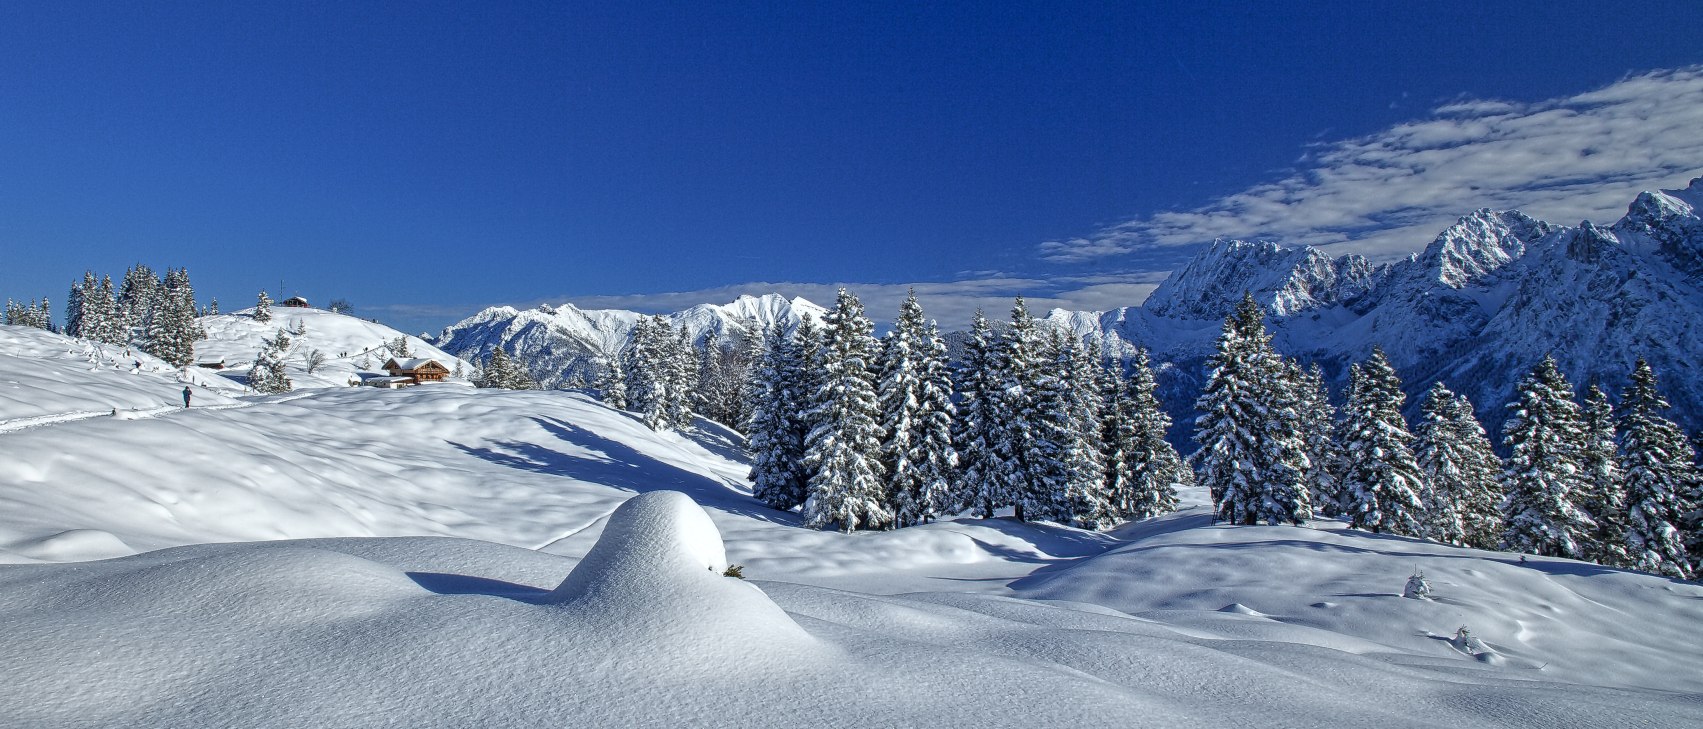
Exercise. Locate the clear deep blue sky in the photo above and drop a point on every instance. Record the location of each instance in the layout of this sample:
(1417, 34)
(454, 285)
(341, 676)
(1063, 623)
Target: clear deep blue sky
(427, 159)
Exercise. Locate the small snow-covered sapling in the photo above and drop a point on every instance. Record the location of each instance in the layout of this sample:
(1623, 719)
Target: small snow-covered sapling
(1417, 587)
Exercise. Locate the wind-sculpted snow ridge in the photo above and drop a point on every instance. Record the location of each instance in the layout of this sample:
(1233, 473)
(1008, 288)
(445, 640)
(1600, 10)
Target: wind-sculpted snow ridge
(563, 343)
(1176, 627)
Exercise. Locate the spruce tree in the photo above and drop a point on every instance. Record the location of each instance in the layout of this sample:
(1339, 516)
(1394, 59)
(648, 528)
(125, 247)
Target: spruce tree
(263, 308)
(138, 298)
(1382, 482)
(1022, 454)
(1143, 470)
(611, 383)
(1657, 463)
(76, 325)
(109, 325)
(1605, 496)
(1252, 458)
(646, 368)
(1544, 475)
(680, 371)
(844, 450)
(173, 329)
(1073, 463)
(974, 433)
(916, 415)
(774, 436)
(1324, 454)
(1464, 495)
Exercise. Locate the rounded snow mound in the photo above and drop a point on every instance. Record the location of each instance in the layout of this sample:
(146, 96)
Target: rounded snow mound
(658, 568)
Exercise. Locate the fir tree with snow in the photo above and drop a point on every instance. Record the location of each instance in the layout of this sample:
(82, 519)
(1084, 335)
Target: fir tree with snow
(1071, 409)
(611, 383)
(843, 454)
(263, 308)
(1324, 453)
(1252, 458)
(1657, 464)
(1022, 454)
(138, 299)
(1462, 473)
(777, 452)
(1143, 470)
(76, 324)
(974, 432)
(916, 415)
(1382, 481)
(1544, 476)
(172, 331)
(1605, 496)
(680, 373)
(1417, 587)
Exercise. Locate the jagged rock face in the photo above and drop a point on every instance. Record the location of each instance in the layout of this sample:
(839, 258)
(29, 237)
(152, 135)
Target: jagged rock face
(1487, 299)
(1287, 280)
(564, 345)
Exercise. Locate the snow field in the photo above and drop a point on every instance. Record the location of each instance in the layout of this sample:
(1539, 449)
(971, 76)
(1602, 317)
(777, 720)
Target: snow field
(404, 589)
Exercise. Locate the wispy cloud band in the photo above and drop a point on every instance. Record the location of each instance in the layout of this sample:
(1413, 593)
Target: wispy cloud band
(1387, 194)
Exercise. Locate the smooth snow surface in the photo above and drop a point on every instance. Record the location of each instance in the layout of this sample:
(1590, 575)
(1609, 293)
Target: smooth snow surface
(455, 557)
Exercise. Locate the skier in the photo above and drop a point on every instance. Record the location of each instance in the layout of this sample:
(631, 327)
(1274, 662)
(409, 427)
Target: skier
(186, 396)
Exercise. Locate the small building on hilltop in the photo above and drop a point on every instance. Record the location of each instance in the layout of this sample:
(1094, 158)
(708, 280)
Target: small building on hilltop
(297, 302)
(418, 369)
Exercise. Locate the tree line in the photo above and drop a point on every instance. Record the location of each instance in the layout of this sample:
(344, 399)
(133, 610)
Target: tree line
(1584, 480)
(860, 432)
(156, 314)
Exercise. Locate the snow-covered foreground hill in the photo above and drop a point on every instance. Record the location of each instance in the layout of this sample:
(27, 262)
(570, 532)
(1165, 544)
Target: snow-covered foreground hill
(357, 557)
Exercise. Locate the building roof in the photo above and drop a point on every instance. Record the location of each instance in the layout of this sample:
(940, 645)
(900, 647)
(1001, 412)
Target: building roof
(412, 364)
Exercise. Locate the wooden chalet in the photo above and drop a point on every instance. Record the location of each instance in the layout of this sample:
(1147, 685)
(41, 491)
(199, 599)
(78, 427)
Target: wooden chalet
(297, 302)
(418, 369)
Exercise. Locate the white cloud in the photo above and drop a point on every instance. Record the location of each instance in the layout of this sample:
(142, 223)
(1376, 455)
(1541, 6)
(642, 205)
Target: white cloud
(1388, 194)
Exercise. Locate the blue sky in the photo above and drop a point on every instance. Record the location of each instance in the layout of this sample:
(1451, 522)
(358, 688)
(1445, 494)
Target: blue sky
(424, 160)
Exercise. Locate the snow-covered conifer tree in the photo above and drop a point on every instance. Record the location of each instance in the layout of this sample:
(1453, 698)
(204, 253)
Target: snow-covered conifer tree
(76, 325)
(1023, 455)
(773, 433)
(1544, 476)
(1605, 496)
(1318, 428)
(263, 308)
(138, 298)
(1382, 482)
(172, 331)
(1143, 470)
(975, 429)
(916, 415)
(611, 383)
(1658, 466)
(1070, 407)
(843, 453)
(645, 366)
(1464, 495)
(1252, 457)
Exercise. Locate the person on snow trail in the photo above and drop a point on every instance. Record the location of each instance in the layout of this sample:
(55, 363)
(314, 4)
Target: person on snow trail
(186, 396)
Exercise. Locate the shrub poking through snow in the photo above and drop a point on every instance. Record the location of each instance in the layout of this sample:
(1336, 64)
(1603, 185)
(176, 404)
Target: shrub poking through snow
(1418, 588)
(734, 570)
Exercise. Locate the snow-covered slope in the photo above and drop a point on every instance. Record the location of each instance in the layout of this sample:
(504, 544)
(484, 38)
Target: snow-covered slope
(49, 378)
(350, 345)
(460, 557)
(562, 343)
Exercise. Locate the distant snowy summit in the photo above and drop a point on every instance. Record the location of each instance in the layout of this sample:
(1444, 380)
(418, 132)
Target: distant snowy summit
(563, 344)
(1489, 297)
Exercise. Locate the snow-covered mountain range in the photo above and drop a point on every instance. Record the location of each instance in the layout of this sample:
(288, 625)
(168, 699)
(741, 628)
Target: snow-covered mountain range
(1487, 299)
(562, 344)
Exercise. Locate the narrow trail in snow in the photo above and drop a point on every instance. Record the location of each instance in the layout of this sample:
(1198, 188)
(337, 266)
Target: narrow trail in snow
(39, 421)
